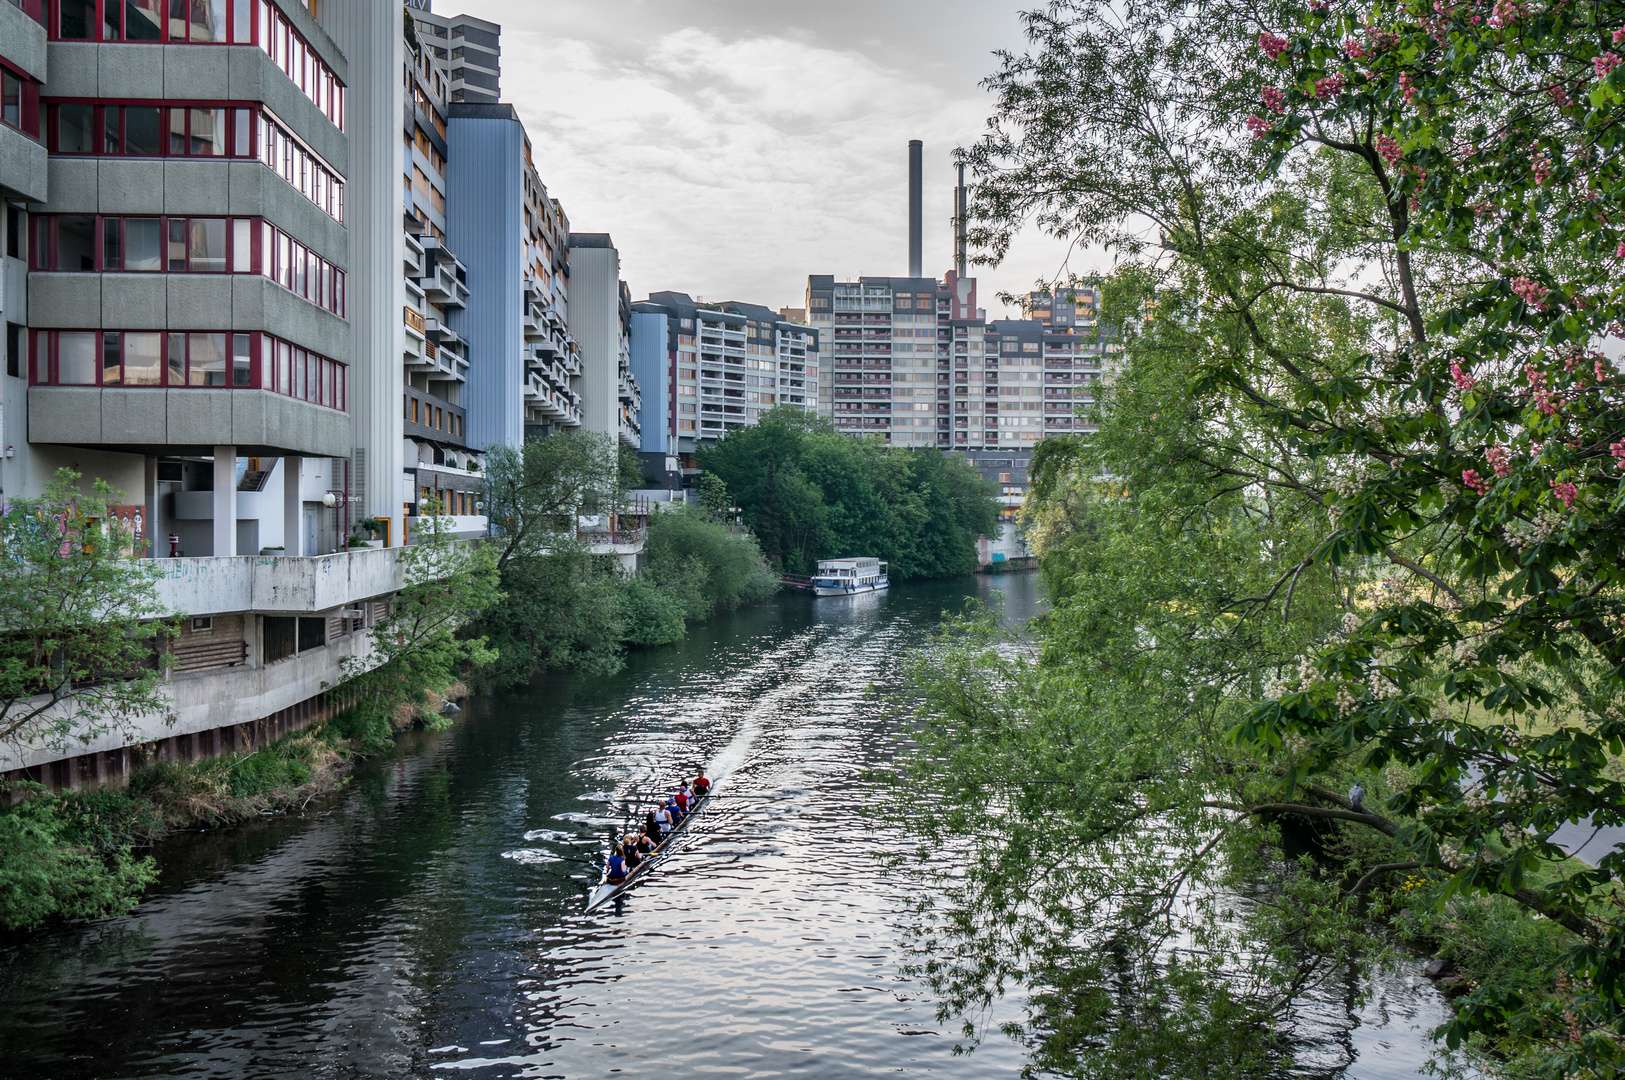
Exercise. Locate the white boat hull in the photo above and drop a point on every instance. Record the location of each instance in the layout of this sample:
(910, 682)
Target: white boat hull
(842, 590)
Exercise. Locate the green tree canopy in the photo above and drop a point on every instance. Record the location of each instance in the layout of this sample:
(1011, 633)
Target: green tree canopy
(1353, 514)
(81, 624)
(810, 493)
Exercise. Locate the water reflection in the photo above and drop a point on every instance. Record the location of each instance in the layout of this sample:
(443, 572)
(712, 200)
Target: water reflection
(429, 922)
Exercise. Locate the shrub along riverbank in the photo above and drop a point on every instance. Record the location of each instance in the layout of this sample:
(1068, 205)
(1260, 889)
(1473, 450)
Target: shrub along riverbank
(78, 855)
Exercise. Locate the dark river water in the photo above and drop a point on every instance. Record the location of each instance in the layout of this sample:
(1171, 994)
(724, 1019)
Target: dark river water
(428, 922)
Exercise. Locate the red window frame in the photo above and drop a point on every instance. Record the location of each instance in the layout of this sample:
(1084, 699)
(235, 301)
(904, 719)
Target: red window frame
(28, 111)
(244, 132)
(321, 380)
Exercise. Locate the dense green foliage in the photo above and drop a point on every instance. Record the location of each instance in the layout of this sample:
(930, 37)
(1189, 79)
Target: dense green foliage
(71, 856)
(423, 645)
(81, 627)
(560, 611)
(810, 493)
(1353, 514)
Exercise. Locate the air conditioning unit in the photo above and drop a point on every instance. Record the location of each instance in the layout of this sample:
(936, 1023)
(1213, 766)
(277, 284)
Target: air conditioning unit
(352, 613)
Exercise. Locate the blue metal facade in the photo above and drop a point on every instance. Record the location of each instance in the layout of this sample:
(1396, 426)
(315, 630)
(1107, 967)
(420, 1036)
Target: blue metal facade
(485, 226)
(651, 358)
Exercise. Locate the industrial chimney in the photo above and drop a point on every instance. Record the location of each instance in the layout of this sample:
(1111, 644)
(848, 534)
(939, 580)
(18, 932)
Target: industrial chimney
(960, 207)
(916, 219)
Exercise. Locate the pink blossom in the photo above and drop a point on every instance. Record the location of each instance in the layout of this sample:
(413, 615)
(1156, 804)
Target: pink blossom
(1464, 381)
(1506, 13)
(1273, 46)
(1533, 293)
(1600, 369)
(1499, 461)
(1471, 478)
(1618, 450)
(1605, 63)
(1559, 95)
(1259, 126)
(1353, 49)
(1619, 37)
(1329, 87)
(1542, 167)
(1407, 88)
(1566, 492)
(1388, 149)
(1318, 5)
(1274, 99)
(1546, 403)
(1619, 252)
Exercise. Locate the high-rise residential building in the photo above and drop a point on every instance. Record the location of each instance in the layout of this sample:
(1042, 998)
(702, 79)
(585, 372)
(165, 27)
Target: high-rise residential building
(440, 463)
(514, 240)
(707, 369)
(601, 323)
(469, 48)
(203, 293)
(914, 361)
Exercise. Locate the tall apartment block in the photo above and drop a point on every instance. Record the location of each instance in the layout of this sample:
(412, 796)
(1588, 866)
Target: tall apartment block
(524, 365)
(601, 322)
(470, 49)
(708, 369)
(440, 462)
(203, 293)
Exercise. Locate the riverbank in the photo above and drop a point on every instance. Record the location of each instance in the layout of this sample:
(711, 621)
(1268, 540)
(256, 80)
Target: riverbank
(79, 855)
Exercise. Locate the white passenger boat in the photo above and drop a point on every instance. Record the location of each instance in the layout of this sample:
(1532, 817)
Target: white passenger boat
(848, 577)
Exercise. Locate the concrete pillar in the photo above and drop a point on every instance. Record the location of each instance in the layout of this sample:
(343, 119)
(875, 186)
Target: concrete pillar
(293, 508)
(156, 547)
(225, 500)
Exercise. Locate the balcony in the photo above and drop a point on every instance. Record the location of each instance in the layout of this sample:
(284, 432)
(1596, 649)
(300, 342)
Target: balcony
(279, 584)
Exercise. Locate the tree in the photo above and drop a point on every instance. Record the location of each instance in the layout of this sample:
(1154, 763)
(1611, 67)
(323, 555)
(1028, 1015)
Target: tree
(561, 611)
(535, 492)
(809, 492)
(81, 623)
(713, 494)
(421, 645)
(1353, 513)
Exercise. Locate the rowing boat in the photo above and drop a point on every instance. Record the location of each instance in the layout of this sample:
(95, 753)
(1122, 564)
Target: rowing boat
(605, 890)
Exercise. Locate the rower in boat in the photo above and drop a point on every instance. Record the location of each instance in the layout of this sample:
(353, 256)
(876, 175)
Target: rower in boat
(702, 786)
(682, 797)
(629, 846)
(615, 869)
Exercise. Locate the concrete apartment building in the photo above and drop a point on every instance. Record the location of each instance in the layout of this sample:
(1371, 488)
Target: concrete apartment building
(203, 294)
(707, 369)
(524, 363)
(440, 463)
(601, 322)
(469, 49)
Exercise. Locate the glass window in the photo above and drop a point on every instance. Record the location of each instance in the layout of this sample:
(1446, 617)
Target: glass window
(207, 249)
(75, 242)
(75, 125)
(143, 19)
(242, 22)
(143, 359)
(76, 358)
(142, 249)
(242, 368)
(208, 20)
(177, 359)
(284, 362)
(112, 252)
(208, 132)
(177, 127)
(11, 99)
(242, 144)
(177, 20)
(177, 245)
(111, 143)
(242, 245)
(143, 129)
(77, 20)
(110, 360)
(206, 359)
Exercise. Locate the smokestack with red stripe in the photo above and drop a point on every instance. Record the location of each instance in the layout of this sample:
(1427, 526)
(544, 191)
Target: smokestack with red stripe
(916, 219)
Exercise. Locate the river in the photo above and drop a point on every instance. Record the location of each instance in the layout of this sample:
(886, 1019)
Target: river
(428, 921)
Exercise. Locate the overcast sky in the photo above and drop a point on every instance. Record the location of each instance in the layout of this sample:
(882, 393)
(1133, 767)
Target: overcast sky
(732, 147)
